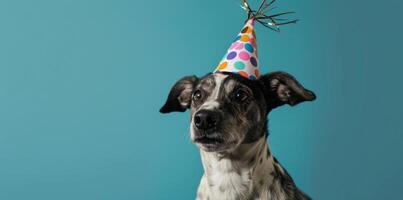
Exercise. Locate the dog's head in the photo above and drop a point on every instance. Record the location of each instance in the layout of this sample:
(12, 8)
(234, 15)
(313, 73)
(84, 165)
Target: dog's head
(227, 110)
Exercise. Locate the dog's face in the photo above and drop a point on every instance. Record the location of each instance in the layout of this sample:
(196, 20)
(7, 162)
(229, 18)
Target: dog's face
(227, 110)
(224, 109)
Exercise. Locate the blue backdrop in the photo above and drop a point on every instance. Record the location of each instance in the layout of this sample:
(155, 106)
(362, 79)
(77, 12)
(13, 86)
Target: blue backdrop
(81, 83)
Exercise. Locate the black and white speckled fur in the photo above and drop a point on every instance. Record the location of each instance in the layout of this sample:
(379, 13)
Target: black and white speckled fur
(238, 164)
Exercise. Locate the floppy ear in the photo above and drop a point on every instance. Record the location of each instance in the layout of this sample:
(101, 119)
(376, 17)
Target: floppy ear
(282, 88)
(179, 97)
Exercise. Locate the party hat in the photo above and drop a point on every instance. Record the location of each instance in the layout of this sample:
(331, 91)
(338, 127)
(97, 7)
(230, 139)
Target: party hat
(241, 57)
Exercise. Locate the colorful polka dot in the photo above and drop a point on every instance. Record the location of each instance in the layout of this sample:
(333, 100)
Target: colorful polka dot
(249, 47)
(257, 72)
(244, 55)
(245, 30)
(239, 46)
(223, 65)
(233, 45)
(253, 61)
(244, 38)
(244, 74)
(231, 55)
(237, 38)
(253, 42)
(239, 65)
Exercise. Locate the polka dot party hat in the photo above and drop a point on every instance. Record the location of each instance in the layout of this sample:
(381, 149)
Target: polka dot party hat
(242, 56)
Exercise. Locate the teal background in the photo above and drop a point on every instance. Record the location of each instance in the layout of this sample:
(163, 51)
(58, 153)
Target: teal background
(81, 83)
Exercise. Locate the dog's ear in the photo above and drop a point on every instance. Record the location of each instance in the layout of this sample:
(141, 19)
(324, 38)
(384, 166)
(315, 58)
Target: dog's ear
(282, 88)
(179, 97)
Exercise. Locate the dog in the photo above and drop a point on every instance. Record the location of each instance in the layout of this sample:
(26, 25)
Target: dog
(229, 124)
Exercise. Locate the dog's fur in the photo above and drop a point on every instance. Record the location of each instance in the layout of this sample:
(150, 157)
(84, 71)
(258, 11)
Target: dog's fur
(235, 153)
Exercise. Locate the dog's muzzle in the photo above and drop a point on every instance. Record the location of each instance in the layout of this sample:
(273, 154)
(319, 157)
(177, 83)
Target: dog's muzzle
(206, 120)
(205, 125)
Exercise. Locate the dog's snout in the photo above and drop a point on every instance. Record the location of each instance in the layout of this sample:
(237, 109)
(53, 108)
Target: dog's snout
(206, 119)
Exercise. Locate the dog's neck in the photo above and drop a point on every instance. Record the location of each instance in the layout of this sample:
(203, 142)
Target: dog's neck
(240, 172)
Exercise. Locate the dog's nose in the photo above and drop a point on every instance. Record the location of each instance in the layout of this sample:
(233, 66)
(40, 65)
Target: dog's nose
(205, 120)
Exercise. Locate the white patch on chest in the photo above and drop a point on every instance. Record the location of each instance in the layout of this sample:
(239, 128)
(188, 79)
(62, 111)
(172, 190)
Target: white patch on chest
(226, 180)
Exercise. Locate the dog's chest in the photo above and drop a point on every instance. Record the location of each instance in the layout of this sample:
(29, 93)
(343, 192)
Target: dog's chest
(225, 180)
(236, 187)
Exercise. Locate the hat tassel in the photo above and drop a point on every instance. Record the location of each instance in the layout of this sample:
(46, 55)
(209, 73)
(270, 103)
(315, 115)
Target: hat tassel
(270, 21)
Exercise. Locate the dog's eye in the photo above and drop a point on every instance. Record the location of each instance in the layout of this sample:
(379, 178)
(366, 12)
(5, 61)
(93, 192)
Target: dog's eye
(197, 95)
(241, 95)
